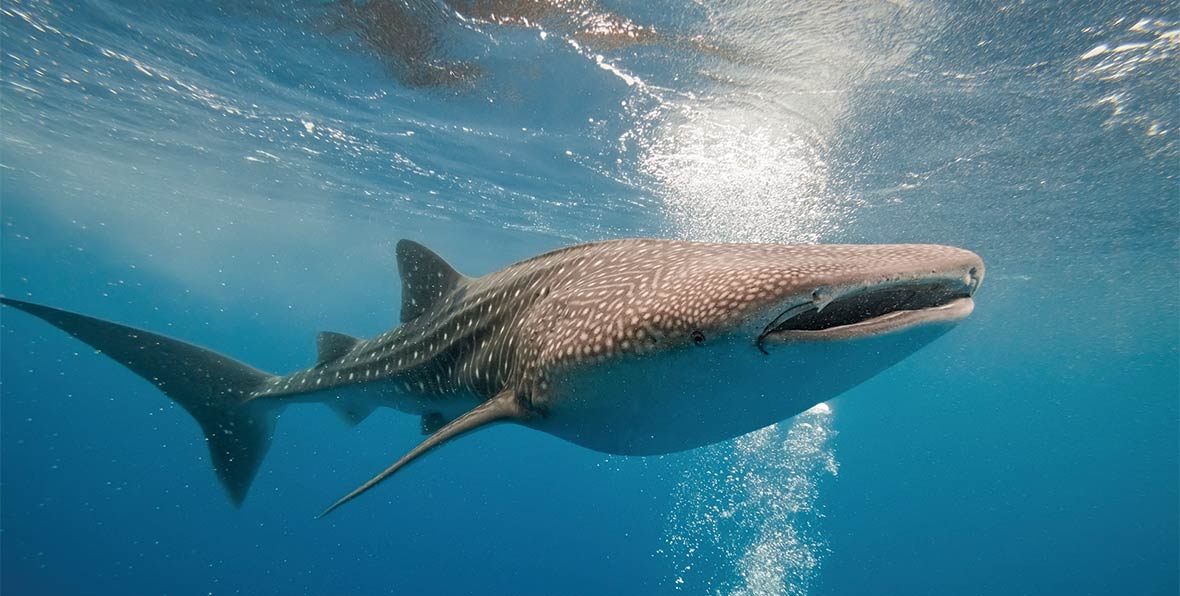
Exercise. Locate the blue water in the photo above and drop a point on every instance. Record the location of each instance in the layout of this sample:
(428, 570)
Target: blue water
(236, 174)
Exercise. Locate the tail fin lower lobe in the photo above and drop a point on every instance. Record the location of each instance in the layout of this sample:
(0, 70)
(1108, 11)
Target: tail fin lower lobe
(214, 389)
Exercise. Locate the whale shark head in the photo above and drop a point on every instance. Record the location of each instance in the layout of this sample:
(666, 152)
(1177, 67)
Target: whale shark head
(671, 346)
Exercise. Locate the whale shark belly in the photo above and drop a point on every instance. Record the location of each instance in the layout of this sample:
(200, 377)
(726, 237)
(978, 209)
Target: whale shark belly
(692, 397)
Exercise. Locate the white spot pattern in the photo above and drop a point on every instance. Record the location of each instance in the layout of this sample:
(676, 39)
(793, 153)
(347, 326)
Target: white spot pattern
(592, 302)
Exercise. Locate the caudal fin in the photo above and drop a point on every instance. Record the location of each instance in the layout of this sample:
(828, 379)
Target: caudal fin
(213, 388)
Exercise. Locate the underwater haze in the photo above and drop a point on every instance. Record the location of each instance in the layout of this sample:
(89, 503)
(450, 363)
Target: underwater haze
(237, 174)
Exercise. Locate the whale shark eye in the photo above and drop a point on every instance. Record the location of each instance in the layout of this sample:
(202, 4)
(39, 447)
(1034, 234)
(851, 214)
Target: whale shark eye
(698, 338)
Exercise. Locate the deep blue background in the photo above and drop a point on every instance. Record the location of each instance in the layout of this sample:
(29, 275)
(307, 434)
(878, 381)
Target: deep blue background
(236, 175)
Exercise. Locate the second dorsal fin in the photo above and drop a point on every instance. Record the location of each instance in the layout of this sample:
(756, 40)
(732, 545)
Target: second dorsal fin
(426, 277)
(331, 346)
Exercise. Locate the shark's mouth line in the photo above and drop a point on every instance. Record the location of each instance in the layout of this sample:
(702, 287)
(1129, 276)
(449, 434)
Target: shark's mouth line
(871, 311)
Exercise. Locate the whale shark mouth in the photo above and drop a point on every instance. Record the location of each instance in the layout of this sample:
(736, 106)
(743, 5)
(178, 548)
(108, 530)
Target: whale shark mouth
(872, 311)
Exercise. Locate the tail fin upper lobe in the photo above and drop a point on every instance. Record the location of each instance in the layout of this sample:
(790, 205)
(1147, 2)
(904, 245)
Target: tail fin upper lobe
(214, 389)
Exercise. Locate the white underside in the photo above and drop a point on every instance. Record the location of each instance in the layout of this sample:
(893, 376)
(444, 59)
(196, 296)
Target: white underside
(698, 395)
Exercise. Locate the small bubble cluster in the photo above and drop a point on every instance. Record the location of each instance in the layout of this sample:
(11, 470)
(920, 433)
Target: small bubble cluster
(754, 504)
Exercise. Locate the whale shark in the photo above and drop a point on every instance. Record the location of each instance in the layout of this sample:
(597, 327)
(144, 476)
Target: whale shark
(632, 346)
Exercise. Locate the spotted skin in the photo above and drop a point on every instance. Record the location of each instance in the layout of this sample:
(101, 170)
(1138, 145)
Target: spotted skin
(587, 304)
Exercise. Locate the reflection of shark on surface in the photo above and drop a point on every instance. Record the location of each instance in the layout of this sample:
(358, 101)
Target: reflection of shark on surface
(408, 36)
(584, 21)
(627, 346)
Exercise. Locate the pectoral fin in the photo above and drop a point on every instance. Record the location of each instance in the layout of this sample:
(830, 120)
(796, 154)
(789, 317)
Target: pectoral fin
(503, 407)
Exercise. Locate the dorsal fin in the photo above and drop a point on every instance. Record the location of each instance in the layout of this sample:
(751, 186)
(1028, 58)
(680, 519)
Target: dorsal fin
(331, 346)
(426, 277)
